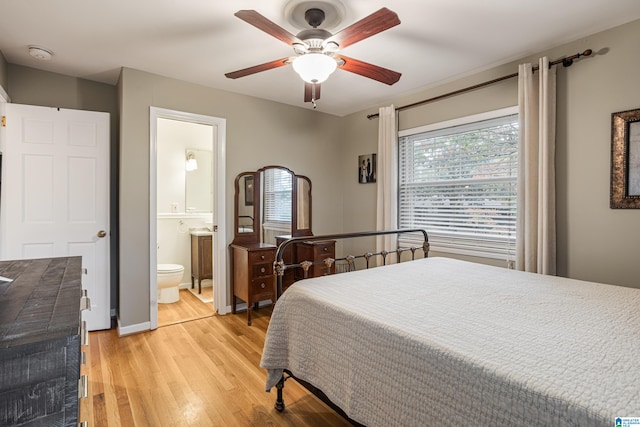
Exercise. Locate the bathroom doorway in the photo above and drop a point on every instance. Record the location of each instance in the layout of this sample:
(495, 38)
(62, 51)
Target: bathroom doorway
(186, 215)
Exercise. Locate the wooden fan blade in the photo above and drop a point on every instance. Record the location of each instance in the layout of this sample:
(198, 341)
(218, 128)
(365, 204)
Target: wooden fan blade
(311, 91)
(366, 27)
(371, 71)
(257, 68)
(254, 18)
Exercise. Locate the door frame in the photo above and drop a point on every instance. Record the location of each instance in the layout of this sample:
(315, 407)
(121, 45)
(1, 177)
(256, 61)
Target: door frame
(4, 99)
(219, 220)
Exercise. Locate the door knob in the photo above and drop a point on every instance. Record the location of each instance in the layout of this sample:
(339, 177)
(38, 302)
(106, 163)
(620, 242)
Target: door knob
(102, 233)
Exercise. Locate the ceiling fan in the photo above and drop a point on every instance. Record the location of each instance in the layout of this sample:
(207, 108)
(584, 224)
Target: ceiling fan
(316, 49)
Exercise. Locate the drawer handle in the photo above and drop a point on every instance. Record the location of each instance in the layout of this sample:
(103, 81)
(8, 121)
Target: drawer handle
(85, 303)
(325, 249)
(83, 390)
(83, 424)
(261, 256)
(262, 285)
(84, 334)
(262, 270)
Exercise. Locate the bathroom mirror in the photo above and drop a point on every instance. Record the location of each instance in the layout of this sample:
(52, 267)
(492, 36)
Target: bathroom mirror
(198, 181)
(271, 202)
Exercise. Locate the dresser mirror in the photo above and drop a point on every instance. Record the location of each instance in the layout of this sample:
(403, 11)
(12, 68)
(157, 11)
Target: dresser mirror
(272, 201)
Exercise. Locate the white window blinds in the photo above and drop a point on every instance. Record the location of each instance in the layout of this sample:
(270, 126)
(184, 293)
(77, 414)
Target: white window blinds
(459, 184)
(277, 196)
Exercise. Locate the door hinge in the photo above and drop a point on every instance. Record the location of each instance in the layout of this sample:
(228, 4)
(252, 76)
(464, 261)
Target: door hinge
(4, 121)
(215, 228)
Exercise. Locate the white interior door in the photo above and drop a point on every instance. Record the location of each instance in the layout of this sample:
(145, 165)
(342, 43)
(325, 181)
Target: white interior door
(56, 194)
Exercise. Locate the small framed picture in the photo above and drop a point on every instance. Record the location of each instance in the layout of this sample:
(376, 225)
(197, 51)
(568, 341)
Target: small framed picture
(367, 168)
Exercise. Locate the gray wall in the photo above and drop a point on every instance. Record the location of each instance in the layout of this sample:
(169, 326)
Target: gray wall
(34, 87)
(594, 242)
(259, 133)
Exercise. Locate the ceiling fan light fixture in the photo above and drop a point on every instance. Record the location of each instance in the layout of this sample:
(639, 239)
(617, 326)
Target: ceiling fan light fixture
(314, 67)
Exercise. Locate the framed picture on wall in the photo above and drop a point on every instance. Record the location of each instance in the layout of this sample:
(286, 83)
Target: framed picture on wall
(367, 168)
(625, 160)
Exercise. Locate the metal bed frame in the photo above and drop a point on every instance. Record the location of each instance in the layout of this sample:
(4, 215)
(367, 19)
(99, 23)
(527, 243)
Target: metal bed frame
(280, 267)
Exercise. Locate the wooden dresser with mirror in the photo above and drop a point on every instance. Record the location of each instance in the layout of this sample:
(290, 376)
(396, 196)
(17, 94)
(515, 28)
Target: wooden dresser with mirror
(271, 204)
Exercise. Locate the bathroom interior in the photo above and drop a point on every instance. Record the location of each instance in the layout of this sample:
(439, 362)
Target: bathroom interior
(184, 220)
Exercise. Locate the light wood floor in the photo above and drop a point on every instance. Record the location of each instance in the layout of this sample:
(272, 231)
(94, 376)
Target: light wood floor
(199, 373)
(189, 307)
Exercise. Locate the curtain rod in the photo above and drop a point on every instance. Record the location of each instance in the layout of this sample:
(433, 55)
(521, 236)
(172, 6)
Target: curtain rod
(566, 62)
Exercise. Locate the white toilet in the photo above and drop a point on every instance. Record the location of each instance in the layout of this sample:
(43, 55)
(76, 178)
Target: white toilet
(169, 277)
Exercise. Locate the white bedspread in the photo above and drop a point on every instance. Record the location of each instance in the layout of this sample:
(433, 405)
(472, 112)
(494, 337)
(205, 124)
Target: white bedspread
(438, 342)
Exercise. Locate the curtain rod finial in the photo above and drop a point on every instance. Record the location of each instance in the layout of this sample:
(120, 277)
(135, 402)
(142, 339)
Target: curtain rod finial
(567, 62)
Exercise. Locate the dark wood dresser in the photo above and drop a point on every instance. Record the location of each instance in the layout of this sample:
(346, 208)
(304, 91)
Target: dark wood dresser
(267, 202)
(312, 251)
(41, 335)
(315, 251)
(253, 279)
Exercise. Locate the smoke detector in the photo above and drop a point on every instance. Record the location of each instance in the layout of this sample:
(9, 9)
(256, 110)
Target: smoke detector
(40, 53)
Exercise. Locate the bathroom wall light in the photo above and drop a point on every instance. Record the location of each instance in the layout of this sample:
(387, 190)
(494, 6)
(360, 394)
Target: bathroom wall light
(192, 163)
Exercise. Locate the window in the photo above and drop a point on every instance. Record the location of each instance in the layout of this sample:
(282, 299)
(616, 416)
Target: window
(457, 180)
(277, 197)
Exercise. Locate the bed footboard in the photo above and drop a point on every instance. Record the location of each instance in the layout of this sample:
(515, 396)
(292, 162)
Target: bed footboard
(280, 267)
(279, 405)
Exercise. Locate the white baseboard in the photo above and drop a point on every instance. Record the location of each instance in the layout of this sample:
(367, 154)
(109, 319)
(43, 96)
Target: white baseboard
(224, 311)
(133, 329)
(243, 305)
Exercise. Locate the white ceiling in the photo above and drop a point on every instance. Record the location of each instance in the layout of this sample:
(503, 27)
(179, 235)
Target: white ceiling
(199, 41)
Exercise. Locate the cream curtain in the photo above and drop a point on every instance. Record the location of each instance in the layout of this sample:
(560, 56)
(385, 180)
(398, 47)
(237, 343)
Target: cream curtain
(387, 179)
(536, 223)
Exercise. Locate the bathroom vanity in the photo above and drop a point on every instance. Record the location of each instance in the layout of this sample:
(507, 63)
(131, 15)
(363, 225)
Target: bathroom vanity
(201, 257)
(41, 336)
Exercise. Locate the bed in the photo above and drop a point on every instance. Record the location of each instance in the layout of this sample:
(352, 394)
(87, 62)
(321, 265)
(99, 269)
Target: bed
(438, 341)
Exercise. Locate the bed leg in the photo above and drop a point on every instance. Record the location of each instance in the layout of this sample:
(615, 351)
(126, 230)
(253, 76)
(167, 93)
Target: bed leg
(279, 400)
